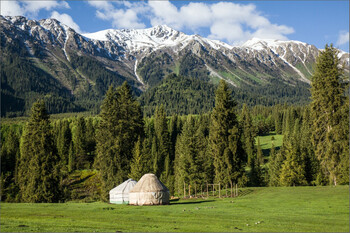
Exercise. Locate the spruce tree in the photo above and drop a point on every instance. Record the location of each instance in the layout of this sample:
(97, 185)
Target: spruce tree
(64, 140)
(37, 173)
(292, 172)
(164, 164)
(330, 141)
(80, 145)
(119, 128)
(137, 164)
(224, 138)
(248, 135)
(259, 153)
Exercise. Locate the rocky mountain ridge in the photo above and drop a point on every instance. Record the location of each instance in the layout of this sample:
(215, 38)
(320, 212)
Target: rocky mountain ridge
(89, 63)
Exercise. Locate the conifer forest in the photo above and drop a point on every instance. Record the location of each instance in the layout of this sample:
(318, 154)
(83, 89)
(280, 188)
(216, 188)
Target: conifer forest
(43, 158)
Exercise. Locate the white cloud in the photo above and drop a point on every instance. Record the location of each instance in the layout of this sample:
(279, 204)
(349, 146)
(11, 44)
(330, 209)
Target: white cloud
(66, 19)
(227, 21)
(101, 5)
(11, 8)
(232, 22)
(343, 38)
(120, 18)
(29, 8)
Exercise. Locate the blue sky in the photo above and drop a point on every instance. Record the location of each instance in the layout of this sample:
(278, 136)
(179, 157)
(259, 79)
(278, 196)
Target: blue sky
(234, 22)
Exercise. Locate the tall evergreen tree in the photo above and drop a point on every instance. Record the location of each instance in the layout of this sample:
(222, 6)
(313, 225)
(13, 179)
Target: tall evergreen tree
(327, 89)
(164, 164)
(64, 139)
(9, 166)
(274, 168)
(292, 172)
(37, 174)
(119, 128)
(248, 135)
(191, 161)
(259, 153)
(138, 161)
(80, 145)
(224, 138)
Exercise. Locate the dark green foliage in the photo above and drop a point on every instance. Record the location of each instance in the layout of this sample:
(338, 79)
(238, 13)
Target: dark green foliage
(9, 155)
(330, 131)
(248, 133)
(259, 153)
(292, 172)
(38, 158)
(120, 126)
(80, 145)
(193, 66)
(22, 83)
(179, 95)
(224, 138)
(164, 164)
(138, 161)
(192, 161)
(150, 68)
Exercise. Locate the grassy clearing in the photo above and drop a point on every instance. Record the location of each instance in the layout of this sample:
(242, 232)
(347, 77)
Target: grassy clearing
(282, 209)
(266, 142)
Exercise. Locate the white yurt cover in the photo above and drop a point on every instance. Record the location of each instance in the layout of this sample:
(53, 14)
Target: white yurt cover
(149, 191)
(120, 194)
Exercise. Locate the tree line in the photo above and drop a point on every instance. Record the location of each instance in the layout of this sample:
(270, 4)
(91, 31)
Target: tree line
(219, 146)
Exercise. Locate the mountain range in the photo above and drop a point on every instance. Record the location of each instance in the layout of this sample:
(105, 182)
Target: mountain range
(46, 58)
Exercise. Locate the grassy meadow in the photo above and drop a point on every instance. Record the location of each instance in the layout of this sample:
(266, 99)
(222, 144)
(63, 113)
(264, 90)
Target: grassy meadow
(268, 209)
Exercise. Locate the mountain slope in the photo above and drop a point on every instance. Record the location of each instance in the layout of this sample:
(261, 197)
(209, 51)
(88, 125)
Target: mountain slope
(61, 64)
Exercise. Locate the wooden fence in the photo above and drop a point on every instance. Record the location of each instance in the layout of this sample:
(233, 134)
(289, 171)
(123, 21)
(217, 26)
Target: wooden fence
(210, 190)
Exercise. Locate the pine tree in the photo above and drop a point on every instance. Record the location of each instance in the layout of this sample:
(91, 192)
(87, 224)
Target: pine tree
(292, 172)
(64, 139)
(248, 135)
(119, 128)
(164, 165)
(37, 174)
(224, 138)
(327, 91)
(80, 145)
(137, 163)
(259, 153)
(9, 166)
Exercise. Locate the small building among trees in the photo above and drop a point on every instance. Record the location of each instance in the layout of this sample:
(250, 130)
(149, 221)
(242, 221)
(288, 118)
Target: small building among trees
(120, 194)
(149, 191)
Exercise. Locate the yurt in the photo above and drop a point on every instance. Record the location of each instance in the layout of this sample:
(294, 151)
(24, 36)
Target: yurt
(149, 191)
(120, 194)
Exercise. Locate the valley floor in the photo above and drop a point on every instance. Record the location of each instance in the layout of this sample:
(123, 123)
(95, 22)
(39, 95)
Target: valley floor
(281, 209)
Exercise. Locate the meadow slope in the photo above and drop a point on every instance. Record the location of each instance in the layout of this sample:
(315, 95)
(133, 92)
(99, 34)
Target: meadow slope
(281, 209)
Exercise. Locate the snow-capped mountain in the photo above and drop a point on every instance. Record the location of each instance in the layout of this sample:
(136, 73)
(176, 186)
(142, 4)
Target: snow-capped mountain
(146, 56)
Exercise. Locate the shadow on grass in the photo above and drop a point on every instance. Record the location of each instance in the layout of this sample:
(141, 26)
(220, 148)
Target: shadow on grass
(190, 202)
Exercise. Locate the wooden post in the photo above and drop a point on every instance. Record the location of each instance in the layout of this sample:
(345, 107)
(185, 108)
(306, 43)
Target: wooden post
(213, 191)
(219, 190)
(207, 190)
(234, 190)
(184, 190)
(231, 189)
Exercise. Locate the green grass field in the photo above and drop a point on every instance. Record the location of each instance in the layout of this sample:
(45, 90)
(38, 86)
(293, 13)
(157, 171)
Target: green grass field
(281, 209)
(266, 142)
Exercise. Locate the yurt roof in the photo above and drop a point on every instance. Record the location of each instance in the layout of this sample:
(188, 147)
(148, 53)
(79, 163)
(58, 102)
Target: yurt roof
(149, 183)
(124, 186)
